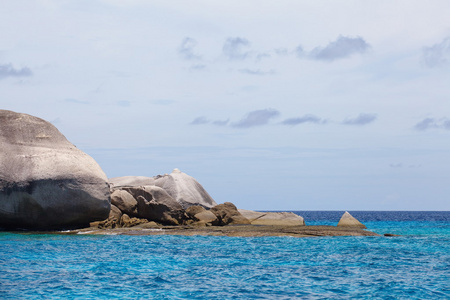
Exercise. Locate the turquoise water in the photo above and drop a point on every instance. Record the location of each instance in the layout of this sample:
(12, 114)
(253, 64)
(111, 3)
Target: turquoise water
(413, 266)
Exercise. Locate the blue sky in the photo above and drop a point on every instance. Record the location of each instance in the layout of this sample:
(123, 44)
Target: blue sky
(272, 105)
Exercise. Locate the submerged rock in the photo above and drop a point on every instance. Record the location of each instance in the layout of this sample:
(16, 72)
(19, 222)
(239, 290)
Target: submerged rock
(347, 220)
(272, 218)
(45, 181)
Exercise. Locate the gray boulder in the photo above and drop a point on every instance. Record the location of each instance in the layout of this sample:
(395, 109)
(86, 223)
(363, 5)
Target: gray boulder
(272, 218)
(347, 220)
(155, 204)
(125, 202)
(185, 189)
(45, 181)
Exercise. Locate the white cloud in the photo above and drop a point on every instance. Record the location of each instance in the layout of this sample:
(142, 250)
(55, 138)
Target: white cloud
(437, 55)
(7, 70)
(341, 48)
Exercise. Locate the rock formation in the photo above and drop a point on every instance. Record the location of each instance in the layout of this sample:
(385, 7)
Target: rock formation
(347, 220)
(45, 181)
(227, 214)
(185, 189)
(272, 218)
(200, 216)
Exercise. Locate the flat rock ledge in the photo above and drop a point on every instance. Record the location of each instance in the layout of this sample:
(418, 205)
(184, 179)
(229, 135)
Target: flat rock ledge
(230, 230)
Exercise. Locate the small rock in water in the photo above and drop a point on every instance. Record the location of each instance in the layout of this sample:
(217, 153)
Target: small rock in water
(347, 220)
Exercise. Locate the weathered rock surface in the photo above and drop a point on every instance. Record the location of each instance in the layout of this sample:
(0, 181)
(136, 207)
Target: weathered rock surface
(185, 189)
(193, 210)
(45, 181)
(127, 221)
(118, 182)
(115, 213)
(272, 218)
(347, 220)
(155, 204)
(124, 201)
(227, 214)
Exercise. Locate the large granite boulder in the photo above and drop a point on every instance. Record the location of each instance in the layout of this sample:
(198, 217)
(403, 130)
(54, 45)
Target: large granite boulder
(124, 201)
(228, 214)
(45, 181)
(272, 218)
(184, 189)
(202, 216)
(347, 220)
(155, 204)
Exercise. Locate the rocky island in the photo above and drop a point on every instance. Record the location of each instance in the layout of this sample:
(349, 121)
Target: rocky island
(46, 183)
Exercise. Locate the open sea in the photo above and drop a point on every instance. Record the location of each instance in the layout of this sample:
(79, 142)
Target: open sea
(415, 265)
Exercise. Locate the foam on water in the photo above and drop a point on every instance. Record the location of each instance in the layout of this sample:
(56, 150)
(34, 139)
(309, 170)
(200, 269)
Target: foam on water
(413, 266)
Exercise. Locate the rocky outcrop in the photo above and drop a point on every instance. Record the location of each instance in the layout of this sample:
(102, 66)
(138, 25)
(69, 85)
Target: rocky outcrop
(154, 203)
(272, 218)
(124, 201)
(227, 214)
(347, 220)
(45, 181)
(200, 216)
(185, 189)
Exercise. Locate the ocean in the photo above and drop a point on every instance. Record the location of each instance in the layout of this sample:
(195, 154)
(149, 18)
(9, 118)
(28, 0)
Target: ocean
(415, 265)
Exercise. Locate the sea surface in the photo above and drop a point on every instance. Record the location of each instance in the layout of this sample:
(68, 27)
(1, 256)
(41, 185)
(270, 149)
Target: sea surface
(415, 265)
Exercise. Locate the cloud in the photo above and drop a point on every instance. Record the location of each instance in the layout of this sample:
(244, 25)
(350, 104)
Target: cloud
(204, 120)
(256, 72)
(361, 119)
(257, 118)
(261, 56)
(200, 121)
(299, 51)
(7, 70)
(438, 54)
(221, 123)
(186, 49)
(234, 48)
(341, 48)
(429, 123)
(302, 120)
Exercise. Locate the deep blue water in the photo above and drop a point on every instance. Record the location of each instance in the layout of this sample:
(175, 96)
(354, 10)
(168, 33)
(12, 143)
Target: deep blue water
(415, 265)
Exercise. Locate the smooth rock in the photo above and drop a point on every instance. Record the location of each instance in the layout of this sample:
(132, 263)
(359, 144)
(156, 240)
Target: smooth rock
(207, 217)
(123, 181)
(193, 210)
(125, 202)
(347, 220)
(185, 189)
(45, 181)
(227, 214)
(272, 218)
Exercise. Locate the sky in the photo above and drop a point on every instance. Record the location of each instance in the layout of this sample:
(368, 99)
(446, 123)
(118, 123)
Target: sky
(271, 105)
